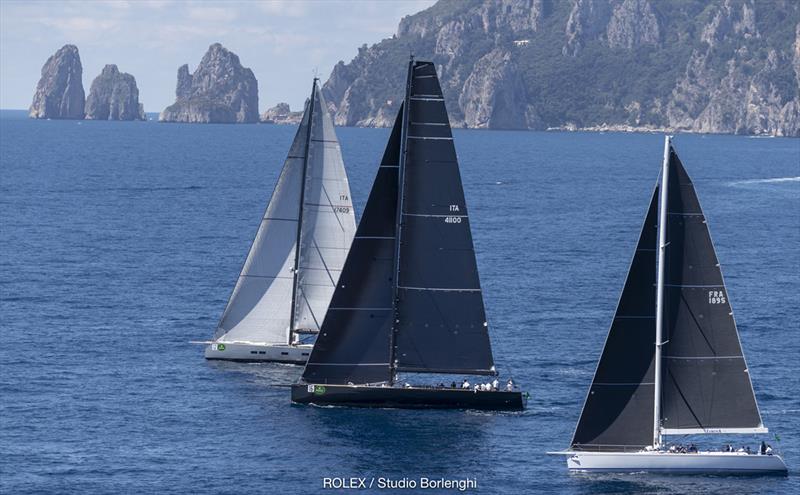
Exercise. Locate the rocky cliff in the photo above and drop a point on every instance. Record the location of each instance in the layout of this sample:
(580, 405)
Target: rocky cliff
(220, 90)
(728, 66)
(59, 94)
(114, 96)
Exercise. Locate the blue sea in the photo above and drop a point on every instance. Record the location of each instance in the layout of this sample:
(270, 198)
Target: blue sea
(120, 243)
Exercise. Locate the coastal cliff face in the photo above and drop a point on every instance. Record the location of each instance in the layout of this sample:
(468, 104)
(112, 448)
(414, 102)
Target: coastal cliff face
(114, 96)
(724, 66)
(221, 90)
(59, 94)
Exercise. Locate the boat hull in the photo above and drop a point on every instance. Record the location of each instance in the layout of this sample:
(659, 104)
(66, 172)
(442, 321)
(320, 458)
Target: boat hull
(666, 462)
(253, 353)
(406, 398)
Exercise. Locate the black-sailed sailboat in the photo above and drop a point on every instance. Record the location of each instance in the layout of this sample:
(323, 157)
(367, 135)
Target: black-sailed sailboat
(672, 362)
(409, 297)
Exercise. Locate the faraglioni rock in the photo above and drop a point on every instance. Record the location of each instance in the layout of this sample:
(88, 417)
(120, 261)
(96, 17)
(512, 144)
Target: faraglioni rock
(219, 91)
(281, 114)
(719, 66)
(59, 94)
(114, 96)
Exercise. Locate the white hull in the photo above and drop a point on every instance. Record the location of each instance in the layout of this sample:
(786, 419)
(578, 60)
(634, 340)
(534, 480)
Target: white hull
(666, 462)
(253, 352)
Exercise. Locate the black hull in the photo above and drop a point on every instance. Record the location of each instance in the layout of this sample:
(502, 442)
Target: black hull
(406, 398)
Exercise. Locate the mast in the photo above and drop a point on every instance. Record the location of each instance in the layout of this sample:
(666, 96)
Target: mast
(398, 223)
(300, 215)
(662, 246)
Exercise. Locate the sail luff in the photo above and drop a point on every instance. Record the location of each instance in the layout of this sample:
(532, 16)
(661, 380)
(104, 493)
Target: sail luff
(295, 282)
(662, 245)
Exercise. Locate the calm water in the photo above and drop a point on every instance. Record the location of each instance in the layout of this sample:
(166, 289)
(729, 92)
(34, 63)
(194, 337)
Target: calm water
(120, 243)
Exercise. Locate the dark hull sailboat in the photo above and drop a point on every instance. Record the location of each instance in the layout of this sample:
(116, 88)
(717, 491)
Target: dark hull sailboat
(409, 297)
(409, 398)
(672, 363)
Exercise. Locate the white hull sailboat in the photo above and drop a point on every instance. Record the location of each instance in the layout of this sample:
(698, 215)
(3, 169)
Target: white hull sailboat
(676, 463)
(672, 363)
(294, 263)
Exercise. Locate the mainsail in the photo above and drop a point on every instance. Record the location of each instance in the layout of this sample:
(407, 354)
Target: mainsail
(704, 384)
(285, 286)
(409, 298)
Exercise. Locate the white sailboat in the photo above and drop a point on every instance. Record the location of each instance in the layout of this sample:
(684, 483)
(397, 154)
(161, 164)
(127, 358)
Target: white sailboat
(294, 263)
(672, 363)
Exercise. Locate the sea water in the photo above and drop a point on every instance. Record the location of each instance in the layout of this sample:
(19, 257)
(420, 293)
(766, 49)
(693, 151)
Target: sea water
(120, 242)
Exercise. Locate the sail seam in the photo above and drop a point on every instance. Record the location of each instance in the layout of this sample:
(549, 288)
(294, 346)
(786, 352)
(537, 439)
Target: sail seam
(435, 216)
(265, 276)
(348, 364)
(431, 138)
(359, 309)
(703, 357)
(438, 289)
(693, 286)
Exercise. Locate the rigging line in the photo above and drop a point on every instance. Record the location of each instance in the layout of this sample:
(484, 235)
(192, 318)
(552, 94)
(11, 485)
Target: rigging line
(310, 310)
(700, 328)
(685, 401)
(322, 259)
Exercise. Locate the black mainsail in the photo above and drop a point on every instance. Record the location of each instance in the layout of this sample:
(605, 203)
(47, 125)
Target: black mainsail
(409, 298)
(672, 362)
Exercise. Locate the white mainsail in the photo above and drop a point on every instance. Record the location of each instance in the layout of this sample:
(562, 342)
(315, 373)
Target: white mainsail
(260, 307)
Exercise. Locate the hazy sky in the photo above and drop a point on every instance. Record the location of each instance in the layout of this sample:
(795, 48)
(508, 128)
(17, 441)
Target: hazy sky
(283, 41)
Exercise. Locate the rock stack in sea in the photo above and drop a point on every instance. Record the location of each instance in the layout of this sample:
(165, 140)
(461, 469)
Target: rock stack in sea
(59, 94)
(281, 114)
(220, 90)
(114, 96)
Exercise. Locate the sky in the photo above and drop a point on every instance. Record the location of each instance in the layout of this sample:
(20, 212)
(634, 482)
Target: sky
(282, 41)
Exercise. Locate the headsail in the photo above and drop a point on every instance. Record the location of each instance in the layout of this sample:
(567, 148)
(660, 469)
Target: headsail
(419, 264)
(618, 410)
(260, 307)
(353, 343)
(706, 382)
